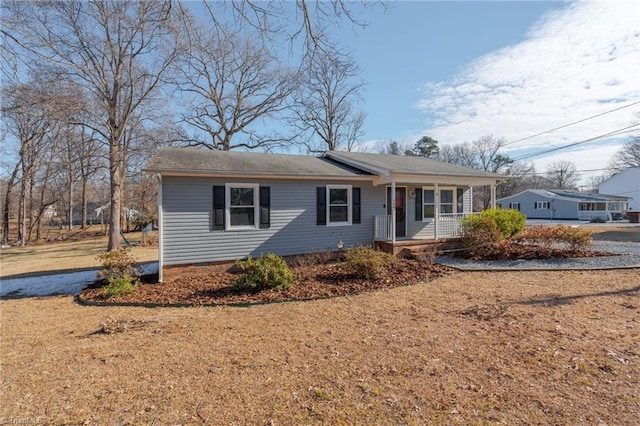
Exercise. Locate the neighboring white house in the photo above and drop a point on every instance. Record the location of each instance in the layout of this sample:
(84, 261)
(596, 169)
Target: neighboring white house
(625, 183)
(563, 204)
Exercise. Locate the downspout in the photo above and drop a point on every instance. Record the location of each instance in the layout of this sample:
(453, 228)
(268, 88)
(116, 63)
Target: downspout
(160, 229)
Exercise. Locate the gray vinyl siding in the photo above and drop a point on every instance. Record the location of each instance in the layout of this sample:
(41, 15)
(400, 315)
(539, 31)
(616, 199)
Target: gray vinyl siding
(187, 221)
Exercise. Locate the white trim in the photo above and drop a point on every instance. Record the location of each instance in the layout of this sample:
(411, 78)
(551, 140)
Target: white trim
(227, 206)
(349, 205)
(160, 229)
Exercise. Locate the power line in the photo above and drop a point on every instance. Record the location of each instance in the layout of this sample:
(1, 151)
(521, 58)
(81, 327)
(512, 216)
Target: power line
(613, 133)
(571, 124)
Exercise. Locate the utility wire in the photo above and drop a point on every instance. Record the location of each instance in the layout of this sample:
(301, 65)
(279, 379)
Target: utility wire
(571, 124)
(613, 133)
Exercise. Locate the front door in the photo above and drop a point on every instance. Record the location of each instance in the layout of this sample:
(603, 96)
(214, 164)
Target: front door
(401, 210)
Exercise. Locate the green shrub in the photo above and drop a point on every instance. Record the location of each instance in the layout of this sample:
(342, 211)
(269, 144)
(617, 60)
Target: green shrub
(509, 222)
(597, 220)
(117, 264)
(270, 272)
(366, 262)
(120, 286)
(479, 234)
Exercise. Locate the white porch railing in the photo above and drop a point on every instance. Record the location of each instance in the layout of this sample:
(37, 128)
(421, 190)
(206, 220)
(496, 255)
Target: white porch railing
(383, 227)
(448, 226)
(591, 214)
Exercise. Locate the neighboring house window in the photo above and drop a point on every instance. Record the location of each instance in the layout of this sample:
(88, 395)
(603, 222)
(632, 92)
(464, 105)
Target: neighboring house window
(542, 205)
(338, 205)
(238, 206)
(593, 206)
(514, 206)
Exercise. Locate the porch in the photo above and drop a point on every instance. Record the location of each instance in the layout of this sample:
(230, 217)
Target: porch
(445, 225)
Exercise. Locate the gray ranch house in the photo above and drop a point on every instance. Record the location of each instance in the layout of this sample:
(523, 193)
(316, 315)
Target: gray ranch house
(565, 205)
(219, 206)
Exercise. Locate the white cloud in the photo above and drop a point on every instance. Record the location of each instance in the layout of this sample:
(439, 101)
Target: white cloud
(575, 62)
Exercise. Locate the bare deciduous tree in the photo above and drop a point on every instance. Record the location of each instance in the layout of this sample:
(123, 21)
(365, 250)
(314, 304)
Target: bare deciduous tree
(325, 108)
(627, 156)
(561, 175)
(231, 82)
(118, 51)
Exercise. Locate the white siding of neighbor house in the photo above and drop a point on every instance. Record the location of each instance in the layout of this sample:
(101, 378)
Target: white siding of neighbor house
(188, 235)
(625, 183)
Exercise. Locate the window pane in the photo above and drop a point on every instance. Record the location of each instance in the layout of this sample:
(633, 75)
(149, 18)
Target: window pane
(338, 196)
(241, 196)
(428, 196)
(338, 214)
(242, 216)
(446, 208)
(446, 196)
(428, 211)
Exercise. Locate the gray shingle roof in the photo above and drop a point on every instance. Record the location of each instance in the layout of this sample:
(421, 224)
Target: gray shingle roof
(201, 162)
(398, 164)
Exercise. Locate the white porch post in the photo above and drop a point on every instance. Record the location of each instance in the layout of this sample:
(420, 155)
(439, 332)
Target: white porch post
(393, 211)
(160, 230)
(493, 196)
(436, 210)
(471, 199)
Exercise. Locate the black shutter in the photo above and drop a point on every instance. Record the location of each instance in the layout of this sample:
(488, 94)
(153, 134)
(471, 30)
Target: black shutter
(265, 207)
(419, 205)
(321, 205)
(355, 196)
(218, 208)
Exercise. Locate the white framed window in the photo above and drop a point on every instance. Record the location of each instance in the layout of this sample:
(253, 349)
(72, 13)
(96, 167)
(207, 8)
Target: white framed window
(446, 201)
(339, 203)
(428, 203)
(242, 206)
(542, 205)
(451, 201)
(514, 206)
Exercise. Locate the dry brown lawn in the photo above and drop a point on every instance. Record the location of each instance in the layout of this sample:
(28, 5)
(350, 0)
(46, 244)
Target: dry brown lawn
(62, 256)
(468, 348)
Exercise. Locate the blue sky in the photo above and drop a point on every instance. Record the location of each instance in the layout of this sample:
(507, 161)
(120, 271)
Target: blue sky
(459, 70)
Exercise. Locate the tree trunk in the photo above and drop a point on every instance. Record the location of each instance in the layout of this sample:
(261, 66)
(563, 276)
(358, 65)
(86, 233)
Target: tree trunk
(83, 225)
(7, 202)
(116, 172)
(70, 203)
(22, 212)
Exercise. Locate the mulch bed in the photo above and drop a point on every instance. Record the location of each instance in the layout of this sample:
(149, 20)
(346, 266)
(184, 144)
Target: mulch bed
(311, 282)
